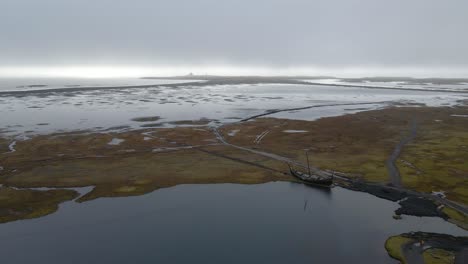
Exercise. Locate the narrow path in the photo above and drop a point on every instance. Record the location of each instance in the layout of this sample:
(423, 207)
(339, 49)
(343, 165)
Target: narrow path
(239, 160)
(270, 155)
(393, 171)
(271, 112)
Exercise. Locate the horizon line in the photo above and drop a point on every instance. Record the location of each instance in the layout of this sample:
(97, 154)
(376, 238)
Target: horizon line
(119, 71)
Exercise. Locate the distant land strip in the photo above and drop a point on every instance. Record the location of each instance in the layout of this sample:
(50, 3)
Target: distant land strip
(212, 82)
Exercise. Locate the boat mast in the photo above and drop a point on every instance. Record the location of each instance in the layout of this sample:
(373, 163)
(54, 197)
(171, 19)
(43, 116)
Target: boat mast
(308, 166)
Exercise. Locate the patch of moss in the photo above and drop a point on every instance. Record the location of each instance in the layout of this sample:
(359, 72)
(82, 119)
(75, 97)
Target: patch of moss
(124, 189)
(27, 204)
(456, 217)
(140, 173)
(438, 256)
(436, 160)
(394, 245)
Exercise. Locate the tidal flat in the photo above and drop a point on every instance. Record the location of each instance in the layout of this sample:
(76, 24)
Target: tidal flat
(408, 147)
(355, 145)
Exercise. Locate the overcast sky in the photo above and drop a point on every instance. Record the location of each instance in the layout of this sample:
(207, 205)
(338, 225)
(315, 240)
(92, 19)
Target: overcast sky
(287, 34)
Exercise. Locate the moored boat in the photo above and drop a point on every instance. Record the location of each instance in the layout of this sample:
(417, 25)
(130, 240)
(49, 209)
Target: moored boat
(312, 179)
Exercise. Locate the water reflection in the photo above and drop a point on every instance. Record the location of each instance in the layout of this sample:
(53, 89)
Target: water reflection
(225, 223)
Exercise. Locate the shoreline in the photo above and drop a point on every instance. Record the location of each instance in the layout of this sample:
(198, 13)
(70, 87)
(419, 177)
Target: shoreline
(194, 140)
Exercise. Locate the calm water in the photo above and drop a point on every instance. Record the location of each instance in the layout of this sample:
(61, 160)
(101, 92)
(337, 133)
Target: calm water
(28, 84)
(225, 223)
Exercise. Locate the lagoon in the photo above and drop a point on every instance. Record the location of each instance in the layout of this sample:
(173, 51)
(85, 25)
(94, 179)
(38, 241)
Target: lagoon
(276, 222)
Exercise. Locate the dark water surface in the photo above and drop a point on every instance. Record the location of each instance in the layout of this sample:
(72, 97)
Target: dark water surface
(224, 223)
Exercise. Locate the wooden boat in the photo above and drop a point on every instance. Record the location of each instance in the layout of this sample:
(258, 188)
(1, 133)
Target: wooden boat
(324, 181)
(312, 179)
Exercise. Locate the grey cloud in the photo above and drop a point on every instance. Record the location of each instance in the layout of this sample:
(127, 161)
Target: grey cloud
(270, 33)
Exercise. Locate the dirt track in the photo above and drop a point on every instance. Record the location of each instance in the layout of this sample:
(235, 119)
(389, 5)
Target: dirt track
(395, 177)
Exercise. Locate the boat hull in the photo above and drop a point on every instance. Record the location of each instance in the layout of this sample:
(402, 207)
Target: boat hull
(324, 182)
